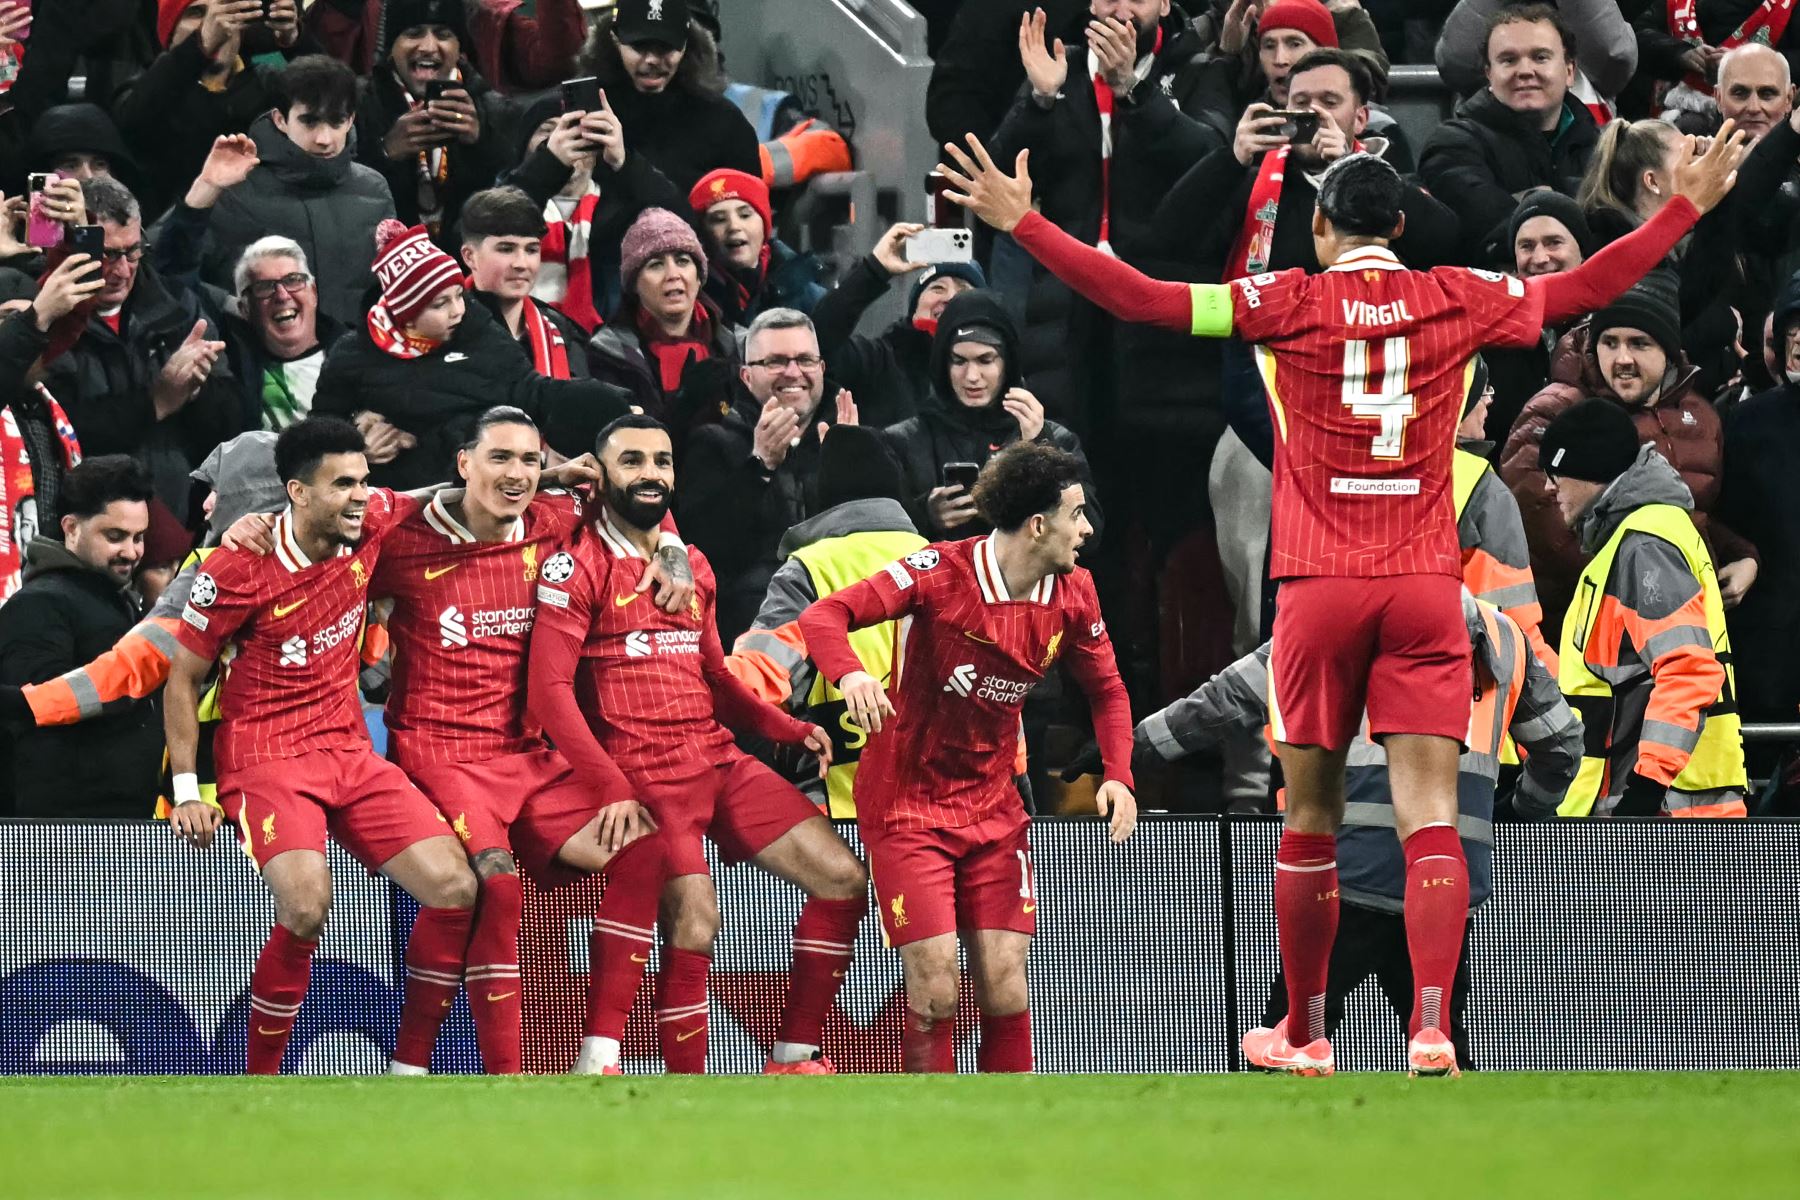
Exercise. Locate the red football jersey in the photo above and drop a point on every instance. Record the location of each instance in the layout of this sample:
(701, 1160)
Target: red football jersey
(968, 656)
(290, 688)
(641, 682)
(1367, 365)
(463, 611)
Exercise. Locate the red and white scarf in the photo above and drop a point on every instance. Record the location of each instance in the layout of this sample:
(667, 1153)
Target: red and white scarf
(549, 353)
(1106, 102)
(433, 169)
(566, 279)
(394, 340)
(1255, 244)
(1766, 24)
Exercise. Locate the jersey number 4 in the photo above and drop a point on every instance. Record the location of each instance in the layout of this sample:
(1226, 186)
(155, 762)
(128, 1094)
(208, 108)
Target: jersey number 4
(1375, 386)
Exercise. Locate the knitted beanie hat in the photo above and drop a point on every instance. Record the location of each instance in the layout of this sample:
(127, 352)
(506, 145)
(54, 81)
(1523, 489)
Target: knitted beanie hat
(716, 187)
(411, 270)
(970, 272)
(657, 231)
(1308, 16)
(1596, 441)
(1652, 304)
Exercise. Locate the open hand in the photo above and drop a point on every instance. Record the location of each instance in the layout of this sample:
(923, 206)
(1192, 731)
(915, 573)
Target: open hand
(999, 199)
(229, 163)
(1046, 68)
(623, 823)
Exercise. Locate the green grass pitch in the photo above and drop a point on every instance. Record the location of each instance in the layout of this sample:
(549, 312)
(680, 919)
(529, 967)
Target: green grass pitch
(1536, 1136)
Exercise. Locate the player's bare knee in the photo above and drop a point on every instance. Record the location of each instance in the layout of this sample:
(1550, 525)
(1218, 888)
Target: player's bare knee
(302, 909)
(933, 998)
(448, 883)
(844, 878)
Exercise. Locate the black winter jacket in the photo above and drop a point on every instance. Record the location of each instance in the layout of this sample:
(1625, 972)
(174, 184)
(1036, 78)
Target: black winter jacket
(889, 373)
(471, 168)
(104, 384)
(950, 432)
(574, 336)
(329, 206)
(437, 397)
(64, 616)
(1486, 154)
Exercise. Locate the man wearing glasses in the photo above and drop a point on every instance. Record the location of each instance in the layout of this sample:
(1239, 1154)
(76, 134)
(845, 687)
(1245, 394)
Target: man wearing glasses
(755, 473)
(145, 375)
(277, 345)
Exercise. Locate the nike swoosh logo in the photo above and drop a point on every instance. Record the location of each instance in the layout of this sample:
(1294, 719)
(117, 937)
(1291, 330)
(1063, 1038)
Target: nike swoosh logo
(456, 356)
(640, 958)
(493, 999)
(622, 601)
(441, 571)
(692, 1033)
(1031, 908)
(839, 974)
(975, 637)
(446, 1004)
(282, 610)
(270, 1032)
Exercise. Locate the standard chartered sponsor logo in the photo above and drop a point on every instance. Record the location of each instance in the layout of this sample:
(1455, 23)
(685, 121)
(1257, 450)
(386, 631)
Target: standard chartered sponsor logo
(991, 687)
(642, 643)
(456, 630)
(345, 627)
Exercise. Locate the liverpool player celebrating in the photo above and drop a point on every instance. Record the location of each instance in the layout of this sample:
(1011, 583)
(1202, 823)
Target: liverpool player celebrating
(935, 800)
(293, 754)
(463, 573)
(629, 695)
(1366, 367)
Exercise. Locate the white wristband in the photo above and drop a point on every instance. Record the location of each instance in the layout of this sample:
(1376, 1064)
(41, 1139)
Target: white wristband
(186, 787)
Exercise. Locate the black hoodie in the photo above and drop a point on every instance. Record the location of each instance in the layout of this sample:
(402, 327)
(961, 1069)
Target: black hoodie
(956, 433)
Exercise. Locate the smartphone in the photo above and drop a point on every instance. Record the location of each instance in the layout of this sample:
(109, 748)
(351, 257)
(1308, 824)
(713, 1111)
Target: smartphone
(961, 474)
(1298, 127)
(943, 212)
(87, 239)
(940, 246)
(436, 88)
(581, 95)
(40, 230)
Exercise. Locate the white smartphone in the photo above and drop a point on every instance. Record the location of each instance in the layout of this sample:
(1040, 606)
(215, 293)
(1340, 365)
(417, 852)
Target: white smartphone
(940, 246)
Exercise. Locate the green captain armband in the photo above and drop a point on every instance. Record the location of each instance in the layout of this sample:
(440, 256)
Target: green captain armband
(1212, 309)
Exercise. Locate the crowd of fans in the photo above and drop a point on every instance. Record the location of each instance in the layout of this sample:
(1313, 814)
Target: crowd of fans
(403, 212)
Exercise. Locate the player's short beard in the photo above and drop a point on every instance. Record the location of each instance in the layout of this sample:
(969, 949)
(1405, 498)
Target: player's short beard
(639, 514)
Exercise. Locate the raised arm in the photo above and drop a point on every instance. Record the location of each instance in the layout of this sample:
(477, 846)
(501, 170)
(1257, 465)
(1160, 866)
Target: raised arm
(1701, 182)
(1004, 201)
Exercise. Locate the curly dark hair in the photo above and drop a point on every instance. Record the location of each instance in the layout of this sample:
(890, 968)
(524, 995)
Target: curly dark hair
(303, 446)
(1023, 480)
(698, 71)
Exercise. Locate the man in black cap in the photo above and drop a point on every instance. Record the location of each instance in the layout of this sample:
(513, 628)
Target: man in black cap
(660, 71)
(860, 528)
(427, 121)
(1645, 658)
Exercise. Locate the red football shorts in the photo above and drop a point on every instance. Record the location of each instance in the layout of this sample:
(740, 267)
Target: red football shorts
(366, 803)
(739, 803)
(1395, 645)
(934, 881)
(530, 804)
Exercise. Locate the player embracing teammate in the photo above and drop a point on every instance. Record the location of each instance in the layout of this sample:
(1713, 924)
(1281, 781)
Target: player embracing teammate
(1366, 365)
(983, 621)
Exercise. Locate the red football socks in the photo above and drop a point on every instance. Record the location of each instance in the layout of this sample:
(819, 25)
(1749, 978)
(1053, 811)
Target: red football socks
(435, 953)
(493, 973)
(1437, 909)
(624, 927)
(1306, 920)
(681, 1009)
(824, 940)
(1006, 1043)
(928, 1047)
(277, 987)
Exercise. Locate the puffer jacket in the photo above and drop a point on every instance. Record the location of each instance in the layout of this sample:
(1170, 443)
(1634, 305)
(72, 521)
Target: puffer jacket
(1487, 154)
(951, 432)
(1682, 425)
(329, 206)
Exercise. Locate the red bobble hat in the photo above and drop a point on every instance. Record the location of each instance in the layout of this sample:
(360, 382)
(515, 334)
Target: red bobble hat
(411, 270)
(1308, 16)
(715, 187)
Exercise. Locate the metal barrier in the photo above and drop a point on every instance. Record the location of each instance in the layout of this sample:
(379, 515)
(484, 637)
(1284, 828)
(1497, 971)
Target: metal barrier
(1608, 944)
(1419, 101)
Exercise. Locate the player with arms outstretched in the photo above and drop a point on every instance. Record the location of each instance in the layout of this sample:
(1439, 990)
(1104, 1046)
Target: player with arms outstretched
(292, 751)
(1366, 366)
(638, 700)
(985, 620)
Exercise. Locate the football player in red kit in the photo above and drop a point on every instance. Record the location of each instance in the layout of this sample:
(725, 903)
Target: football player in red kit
(945, 828)
(292, 751)
(637, 700)
(463, 575)
(1366, 365)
